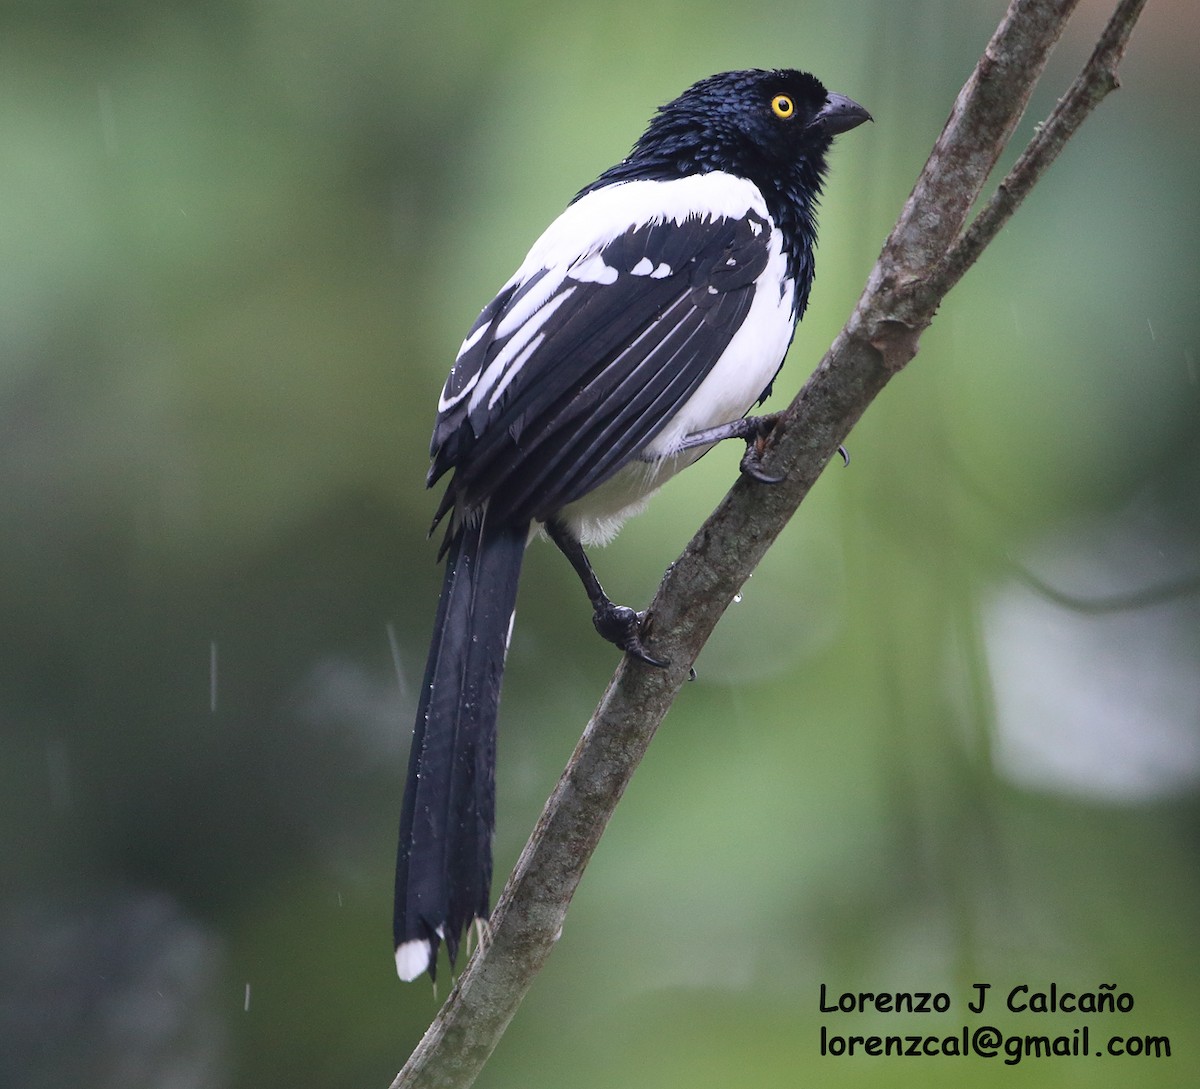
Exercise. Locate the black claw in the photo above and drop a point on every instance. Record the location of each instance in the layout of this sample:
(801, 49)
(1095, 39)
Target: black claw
(845, 456)
(751, 466)
(621, 626)
(756, 447)
(639, 652)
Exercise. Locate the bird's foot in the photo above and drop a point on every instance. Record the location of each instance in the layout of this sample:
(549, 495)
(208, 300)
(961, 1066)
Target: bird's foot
(754, 431)
(756, 446)
(622, 626)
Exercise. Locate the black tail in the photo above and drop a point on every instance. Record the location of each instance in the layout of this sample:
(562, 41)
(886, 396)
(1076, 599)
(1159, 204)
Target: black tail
(444, 861)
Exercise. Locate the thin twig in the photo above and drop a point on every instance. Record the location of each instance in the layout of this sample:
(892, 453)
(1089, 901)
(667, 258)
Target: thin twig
(1093, 84)
(980, 125)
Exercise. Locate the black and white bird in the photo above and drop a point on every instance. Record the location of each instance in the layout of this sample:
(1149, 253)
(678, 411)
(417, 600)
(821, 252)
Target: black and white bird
(643, 325)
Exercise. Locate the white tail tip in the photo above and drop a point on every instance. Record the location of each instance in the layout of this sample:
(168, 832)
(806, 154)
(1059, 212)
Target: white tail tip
(412, 958)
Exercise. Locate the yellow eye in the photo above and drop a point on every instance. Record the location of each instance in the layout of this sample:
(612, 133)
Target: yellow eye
(783, 107)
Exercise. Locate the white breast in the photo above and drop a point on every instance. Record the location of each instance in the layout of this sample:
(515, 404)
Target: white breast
(747, 365)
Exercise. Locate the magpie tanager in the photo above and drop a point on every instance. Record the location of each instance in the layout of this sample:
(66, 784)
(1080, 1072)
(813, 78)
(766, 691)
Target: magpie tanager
(643, 325)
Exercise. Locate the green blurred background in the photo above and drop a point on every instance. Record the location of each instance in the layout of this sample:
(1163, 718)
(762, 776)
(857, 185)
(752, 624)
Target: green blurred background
(949, 734)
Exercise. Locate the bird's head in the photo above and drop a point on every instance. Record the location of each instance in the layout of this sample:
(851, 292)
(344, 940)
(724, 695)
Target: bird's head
(765, 125)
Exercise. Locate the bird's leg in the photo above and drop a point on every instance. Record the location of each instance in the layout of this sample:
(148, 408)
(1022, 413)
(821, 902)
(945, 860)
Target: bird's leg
(753, 430)
(619, 624)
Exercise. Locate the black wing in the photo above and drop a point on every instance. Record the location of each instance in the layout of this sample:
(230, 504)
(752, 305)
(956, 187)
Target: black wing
(568, 374)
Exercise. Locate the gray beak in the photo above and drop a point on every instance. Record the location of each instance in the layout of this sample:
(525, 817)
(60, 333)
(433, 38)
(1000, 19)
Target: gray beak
(839, 114)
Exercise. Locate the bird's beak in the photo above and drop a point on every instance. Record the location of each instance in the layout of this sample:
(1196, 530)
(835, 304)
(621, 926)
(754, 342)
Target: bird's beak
(839, 114)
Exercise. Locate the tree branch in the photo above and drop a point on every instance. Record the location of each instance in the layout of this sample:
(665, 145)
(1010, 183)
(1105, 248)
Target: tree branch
(926, 253)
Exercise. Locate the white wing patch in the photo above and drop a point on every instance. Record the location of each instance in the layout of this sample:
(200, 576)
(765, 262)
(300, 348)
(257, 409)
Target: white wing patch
(501, 370)
(471, 341)
(646, 267)
(446, 403)
(593, 270)
(509, 366)
(521, 311)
